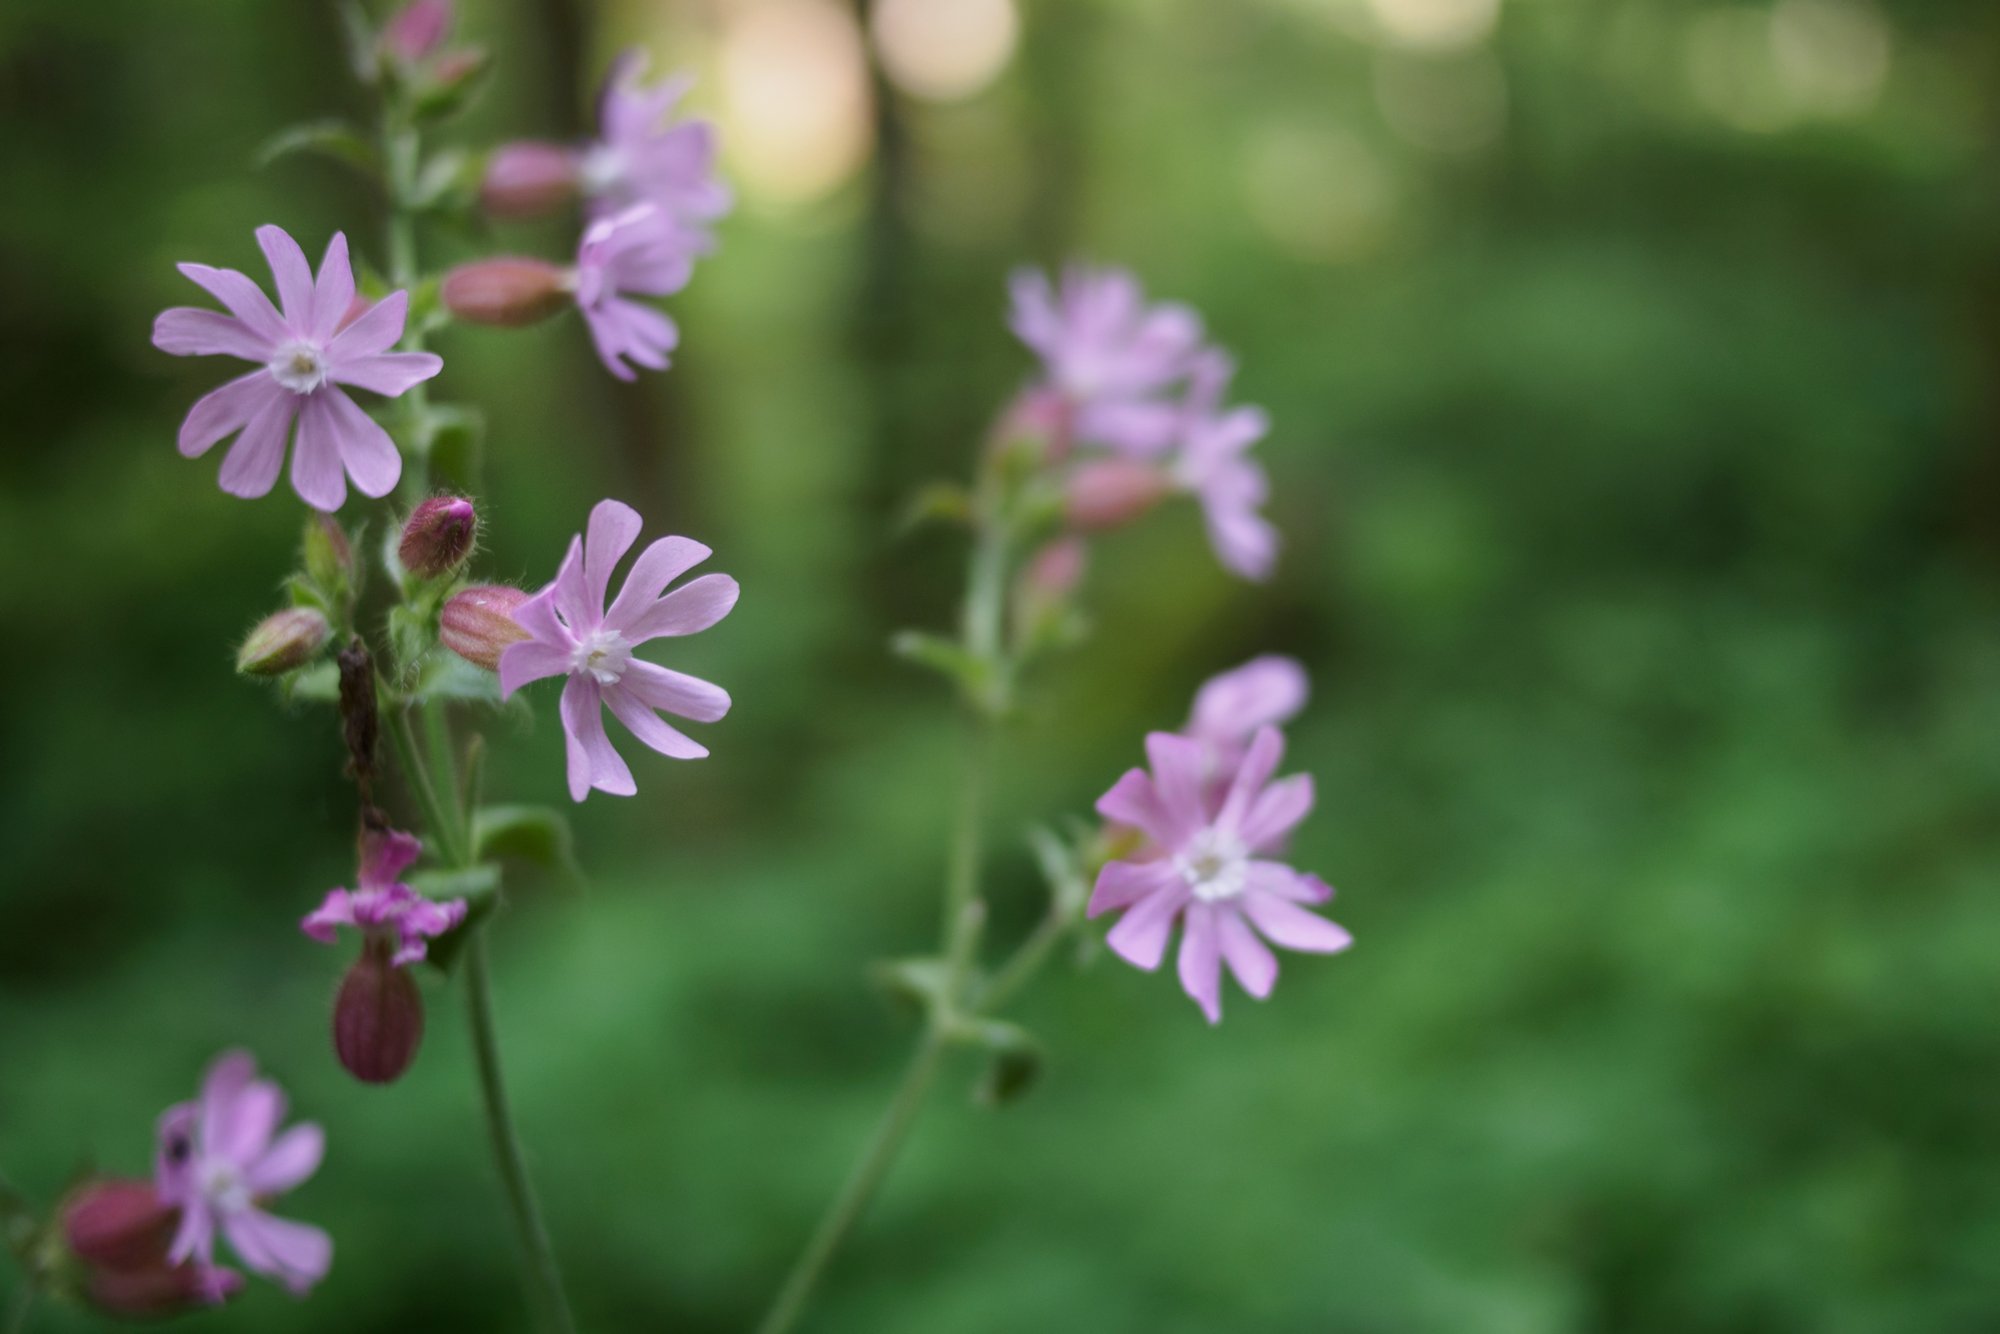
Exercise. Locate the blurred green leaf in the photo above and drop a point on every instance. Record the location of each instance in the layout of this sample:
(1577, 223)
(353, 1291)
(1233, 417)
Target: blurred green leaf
(1015, 1059)
(334, 139)
(539, 835)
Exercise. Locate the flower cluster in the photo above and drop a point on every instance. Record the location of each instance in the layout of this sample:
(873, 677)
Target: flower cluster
(1138, 396)
(1211, 822)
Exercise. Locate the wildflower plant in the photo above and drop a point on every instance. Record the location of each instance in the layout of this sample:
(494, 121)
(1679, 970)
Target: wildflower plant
(390, 625)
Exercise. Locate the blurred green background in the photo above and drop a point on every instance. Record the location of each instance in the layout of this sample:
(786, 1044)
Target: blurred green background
(1633, 371)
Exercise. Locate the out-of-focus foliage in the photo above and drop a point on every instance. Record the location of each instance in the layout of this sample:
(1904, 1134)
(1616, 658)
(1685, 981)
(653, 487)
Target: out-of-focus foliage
(1633, 371)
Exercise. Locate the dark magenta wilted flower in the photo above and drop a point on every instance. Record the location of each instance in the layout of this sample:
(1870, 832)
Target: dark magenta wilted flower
(220, 1158)
(1109, 356)
(1207, 864)
(634, 253)
(305, 355)
(645, 155)
(1214, 464)
(382, 906)
(573, 634)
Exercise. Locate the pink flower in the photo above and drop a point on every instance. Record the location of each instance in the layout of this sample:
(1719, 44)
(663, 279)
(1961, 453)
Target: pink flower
(1214, 464)
(574, 635)
(1207, 865)
(218, 1162)
(1231, 706)
(304, 356)
(644, 155)
(638, 252)
(383, 907)
(1109, 354)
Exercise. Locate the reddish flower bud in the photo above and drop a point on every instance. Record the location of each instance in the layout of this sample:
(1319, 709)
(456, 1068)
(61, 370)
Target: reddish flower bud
(120, 1223)
(438, 537)
(529, 179)
(508, 291)
(283, 641)
(378, 1017)
(1053, 573)
(329, 556)
(478, 623)
(161, 1290)
(1107, 493)
(417, 30)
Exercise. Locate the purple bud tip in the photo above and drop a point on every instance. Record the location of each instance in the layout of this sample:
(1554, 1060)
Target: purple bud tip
(378, 1017)
(1108, 493)
(478, 623)
(439, 536)
(529, 179)
(506, 291)
(119, 1223)
(282, 642)
(417, 30)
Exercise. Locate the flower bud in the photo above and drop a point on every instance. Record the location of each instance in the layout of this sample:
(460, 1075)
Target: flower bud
(438, 537)
(416, 30)
(1108, 493)
(478, 623)
(161, 1290)
(282, 641)
(329, 556)
(1043, 590)
(119, 1223)
(378, 1017)
(508, 291)
(529, 179)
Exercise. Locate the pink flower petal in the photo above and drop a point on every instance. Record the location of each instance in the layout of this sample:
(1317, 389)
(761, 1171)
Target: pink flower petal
(385, 855)
(693, 607)
(658, 565)
(377, 330)
(1287, 924)
(237, 1126)
(333, 290)
(1255, 967)
(366, 450)
(225, 410)
(571, 596)
(243, 298)
(646, 725)
(335, 910)
(1179, 772)
(289, 1161)
(1232, 706)
(530, 660)
(1281, 880)
(675, 692)
(1133, 800)
(614, 527)
(1140, 938)
(390, 373)
(296, 1254)
(1276, 812)
(1120, 884)
(1200, 961)
(293, 274)
(188, 331)
(317, 474)
(593, 763)
(253, 463)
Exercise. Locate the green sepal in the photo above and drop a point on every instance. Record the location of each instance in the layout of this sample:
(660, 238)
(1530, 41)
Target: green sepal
(539, 835)
(442, 674)
(317, 684)
(921, 985)
(1014, 1059)
(438, 99)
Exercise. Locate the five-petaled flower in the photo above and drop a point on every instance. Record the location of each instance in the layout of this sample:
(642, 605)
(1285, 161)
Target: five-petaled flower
(1207, 864)
(644, 154)
(220, 1158)
(573, 634)
(638, 252)
(305, 354)
(382, 906)
(1109, 357)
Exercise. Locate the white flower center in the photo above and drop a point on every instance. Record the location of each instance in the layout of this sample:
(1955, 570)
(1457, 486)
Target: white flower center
(602, 653)
(1215, 865)
(300, 367)
(222, 1185)
(602, 170)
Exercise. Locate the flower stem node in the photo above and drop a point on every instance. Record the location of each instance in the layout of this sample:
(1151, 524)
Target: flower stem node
(283, 642)
(507, 291)
(478, 623)
(439, 537)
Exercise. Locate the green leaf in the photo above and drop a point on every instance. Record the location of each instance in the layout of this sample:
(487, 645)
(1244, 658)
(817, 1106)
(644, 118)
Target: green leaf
(442, 674)
(363, 47)
(947, 657)
(536, 834)
(922, 984)
(1062, 867)
(334, 139)
(448, 183)
(945, 502)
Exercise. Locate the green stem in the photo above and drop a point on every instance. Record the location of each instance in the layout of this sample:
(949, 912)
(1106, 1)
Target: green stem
(545, 1278)
(862, 1182)
(1023, 964)
(443, 824)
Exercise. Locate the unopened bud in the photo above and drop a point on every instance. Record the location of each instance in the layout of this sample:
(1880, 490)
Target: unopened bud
(1053, 573)
(478, 623)
(508, 291)
(119, 1223)
(1036, 425)
(417, 30)
(378, 1017)
(161, 1290)
(1107, 493)
(438, 537)
(529, 179)
(283, 641)
(329, 556)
